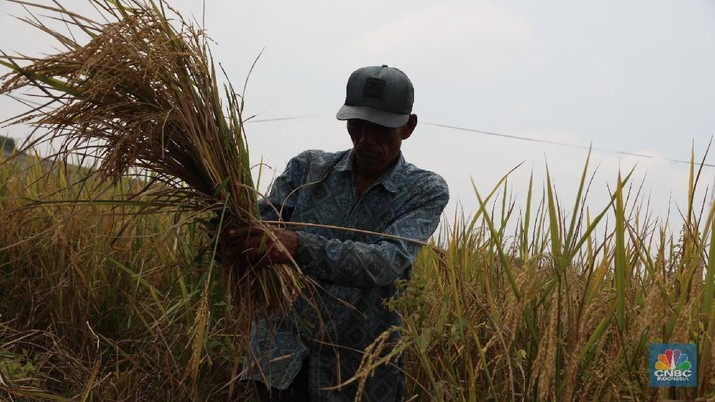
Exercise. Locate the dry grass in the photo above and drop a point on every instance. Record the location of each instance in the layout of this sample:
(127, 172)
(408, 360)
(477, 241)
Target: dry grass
(104, 303)
(567, 328)
(133, 97)
(140, 99)
(100, 300)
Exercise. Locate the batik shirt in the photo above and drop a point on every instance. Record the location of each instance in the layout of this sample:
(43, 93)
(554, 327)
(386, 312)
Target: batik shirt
(356, 271)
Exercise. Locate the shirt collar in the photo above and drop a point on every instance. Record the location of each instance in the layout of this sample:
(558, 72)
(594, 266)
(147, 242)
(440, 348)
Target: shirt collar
(390, 179)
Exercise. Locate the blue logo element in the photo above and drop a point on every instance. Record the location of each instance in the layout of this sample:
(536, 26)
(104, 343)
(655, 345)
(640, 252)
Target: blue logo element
(673, 364)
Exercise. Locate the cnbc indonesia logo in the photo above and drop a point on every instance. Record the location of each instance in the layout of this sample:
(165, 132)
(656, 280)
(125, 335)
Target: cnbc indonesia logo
(671, 365)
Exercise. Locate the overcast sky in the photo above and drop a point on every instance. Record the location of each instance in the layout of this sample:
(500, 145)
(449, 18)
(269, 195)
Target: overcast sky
(622, 76)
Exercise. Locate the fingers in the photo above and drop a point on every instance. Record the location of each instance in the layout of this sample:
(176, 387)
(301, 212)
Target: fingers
(244, 245)
(246, 231)
(261, 245)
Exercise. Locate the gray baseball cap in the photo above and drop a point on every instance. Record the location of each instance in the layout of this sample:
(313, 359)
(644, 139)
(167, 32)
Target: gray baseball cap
(379, 94)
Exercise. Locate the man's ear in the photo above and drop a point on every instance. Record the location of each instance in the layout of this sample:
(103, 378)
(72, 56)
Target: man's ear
(409, 127)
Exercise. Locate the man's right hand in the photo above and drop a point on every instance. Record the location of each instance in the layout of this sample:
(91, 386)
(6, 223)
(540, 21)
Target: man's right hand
(261, 245)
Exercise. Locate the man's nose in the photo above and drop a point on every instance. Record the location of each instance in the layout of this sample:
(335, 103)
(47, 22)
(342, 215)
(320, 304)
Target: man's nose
(366, 136)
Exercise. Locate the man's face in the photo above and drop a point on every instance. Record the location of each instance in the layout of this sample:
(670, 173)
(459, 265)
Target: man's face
(376, 147)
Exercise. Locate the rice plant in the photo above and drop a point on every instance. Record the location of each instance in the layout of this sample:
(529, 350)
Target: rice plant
(134, 99)
(99, 301)
(109, 290)
(103, 304)
(565, 308)
(141, 100)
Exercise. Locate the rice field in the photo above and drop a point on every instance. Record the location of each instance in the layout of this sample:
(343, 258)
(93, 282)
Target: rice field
(109, 289)
(99, 302)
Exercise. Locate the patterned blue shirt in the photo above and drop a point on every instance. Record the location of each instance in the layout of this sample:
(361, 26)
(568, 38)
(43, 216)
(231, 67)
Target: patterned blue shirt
(356, 271)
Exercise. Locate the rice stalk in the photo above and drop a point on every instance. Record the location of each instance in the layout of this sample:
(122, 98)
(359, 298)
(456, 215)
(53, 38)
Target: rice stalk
(620, 260)
(708, 310)
(142, 99)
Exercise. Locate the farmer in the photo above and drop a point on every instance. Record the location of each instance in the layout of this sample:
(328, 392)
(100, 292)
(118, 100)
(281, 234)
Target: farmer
(308, 355)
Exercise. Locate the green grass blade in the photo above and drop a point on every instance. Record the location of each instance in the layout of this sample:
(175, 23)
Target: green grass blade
(620, 257)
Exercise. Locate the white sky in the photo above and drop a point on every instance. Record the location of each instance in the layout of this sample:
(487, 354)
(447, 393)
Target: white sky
(630, 76)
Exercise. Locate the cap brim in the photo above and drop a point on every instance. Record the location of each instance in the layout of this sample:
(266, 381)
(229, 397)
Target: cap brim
(377, 116)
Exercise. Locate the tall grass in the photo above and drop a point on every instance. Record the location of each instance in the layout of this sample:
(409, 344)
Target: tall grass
(527, 302)
(566, 307)
(101, 304)
(134, 94)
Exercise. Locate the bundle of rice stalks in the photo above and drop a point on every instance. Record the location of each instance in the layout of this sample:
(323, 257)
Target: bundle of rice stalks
(142, 97)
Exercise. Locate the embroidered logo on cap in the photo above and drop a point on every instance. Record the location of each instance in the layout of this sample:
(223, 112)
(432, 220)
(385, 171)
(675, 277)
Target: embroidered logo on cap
(374, 88)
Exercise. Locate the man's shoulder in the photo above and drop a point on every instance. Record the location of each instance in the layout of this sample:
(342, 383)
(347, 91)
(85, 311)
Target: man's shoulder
(317, 157)
(416, 177)
(314, 163)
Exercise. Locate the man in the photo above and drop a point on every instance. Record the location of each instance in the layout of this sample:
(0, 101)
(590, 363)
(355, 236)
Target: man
(370, 187)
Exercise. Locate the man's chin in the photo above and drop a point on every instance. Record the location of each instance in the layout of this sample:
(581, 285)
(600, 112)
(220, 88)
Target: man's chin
(368, 157)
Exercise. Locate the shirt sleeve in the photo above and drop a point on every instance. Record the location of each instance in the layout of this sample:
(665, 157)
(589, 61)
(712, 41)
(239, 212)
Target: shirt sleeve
(282, 198)
(384, 260)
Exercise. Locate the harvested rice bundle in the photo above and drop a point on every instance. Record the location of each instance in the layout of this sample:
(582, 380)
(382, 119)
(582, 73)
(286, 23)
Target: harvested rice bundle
(143, 97)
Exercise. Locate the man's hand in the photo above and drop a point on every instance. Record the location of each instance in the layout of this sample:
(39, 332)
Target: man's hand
(262, 245)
